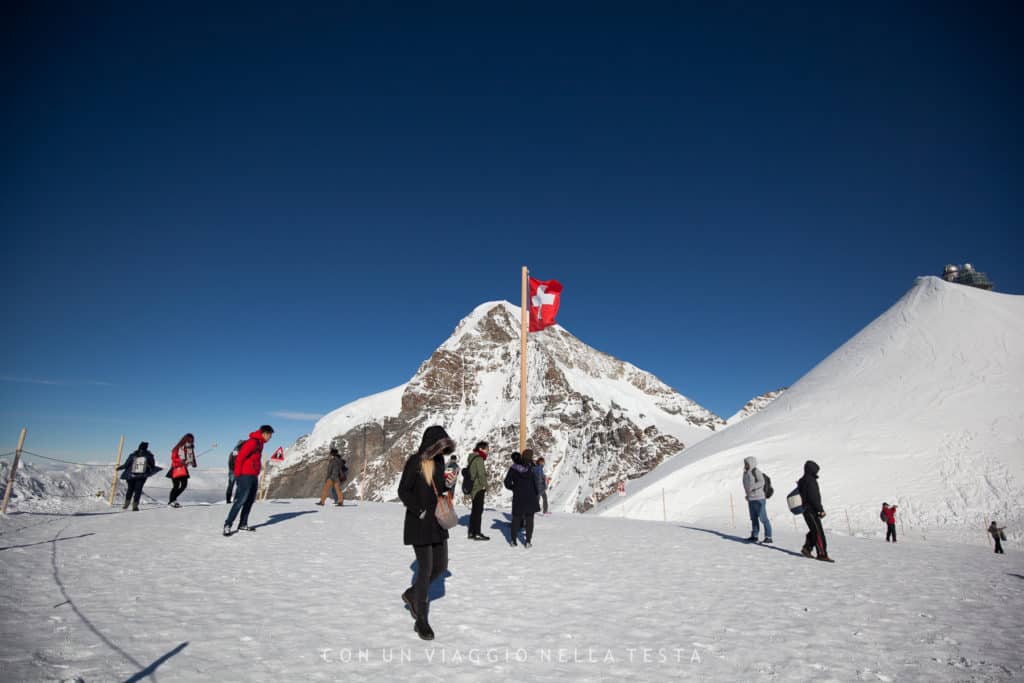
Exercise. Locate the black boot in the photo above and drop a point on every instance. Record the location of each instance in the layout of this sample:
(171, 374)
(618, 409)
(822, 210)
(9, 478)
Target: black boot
(407, 599)
(421, 626)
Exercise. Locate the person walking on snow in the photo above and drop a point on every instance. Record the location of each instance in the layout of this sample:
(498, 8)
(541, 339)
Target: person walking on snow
(889, 517)
(183, 456)
(542, 482)
(424, 480)
(757, 502)
(337, 472)
(231, 470)
(140, 465)
(521, 481)
(997, 536)
(810, 494)
(477, 475)
(247, 476)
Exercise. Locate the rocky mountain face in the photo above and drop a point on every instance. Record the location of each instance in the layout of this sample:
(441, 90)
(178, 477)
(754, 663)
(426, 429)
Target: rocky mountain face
(596, 419)
(755, 405)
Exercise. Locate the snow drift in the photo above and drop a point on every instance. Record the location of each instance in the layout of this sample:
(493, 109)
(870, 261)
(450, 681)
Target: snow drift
(922, 408)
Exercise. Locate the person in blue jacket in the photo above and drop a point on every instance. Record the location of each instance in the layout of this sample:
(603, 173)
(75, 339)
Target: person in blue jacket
(140, 465)
(542, 482)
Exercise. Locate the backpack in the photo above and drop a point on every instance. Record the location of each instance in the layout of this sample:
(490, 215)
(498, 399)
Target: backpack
(881, 516)
(795, 502)
(768, 490)
(467, 481)
(139, 465)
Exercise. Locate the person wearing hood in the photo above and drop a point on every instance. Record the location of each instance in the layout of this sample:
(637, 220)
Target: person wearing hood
(424, 480)
(337, 472)
(757, 502)
(997, 536)
(140, 465)
(231, 470)
(810, 494)
(521, 480)
(247, 478)
(477, 475)
(183, 456)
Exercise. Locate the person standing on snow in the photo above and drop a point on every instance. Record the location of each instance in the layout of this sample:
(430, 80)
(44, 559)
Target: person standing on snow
(183, 456)
(337, 472)
(453, 467)
(424, 480)
(813, 512)
(542, 483)
(757, 502)
(889, 517)
(231, 470)
(247, 476)
(997, 536)
(140, 465)
(521, 481)
(477, 475)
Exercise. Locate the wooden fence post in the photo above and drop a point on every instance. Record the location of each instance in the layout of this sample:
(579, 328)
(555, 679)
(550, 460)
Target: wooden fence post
(113, 487)
(732, 511)
(14, 469)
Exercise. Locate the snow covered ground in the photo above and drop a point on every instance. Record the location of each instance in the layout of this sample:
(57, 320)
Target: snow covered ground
(97, 594)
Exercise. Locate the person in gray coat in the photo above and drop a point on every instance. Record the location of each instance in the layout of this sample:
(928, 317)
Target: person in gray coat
(753, 488)
(337, 472)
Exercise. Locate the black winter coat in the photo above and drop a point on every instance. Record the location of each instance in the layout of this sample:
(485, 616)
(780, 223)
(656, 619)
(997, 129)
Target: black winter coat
(337, 470)
(418, 497)
(523, 483)
(810, 494)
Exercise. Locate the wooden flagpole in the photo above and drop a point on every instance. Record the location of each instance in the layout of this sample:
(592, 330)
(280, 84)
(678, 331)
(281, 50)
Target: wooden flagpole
(522, 367)
(11, 473)
(113, 486)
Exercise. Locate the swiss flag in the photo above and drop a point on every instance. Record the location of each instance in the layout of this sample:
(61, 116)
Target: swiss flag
(545, 296)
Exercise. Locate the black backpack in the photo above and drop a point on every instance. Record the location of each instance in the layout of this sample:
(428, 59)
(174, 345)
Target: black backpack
(467, 481)
(768, 490)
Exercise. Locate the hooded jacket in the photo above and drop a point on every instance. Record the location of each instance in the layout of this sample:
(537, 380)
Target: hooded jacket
(809, 491)
(419, 496)
(477, 472)
(129, 464)
(337, 469)
(250, 456)
(521, 480)
(753, 480)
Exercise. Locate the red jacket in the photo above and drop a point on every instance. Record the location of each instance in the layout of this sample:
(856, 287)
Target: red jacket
(179, 468)
(890, 514)
(250, 456)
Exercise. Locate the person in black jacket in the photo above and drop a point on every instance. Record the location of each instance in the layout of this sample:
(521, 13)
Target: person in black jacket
(424, 478)
(810, 494)
(137, 468)
(337, 472)
(521, 480)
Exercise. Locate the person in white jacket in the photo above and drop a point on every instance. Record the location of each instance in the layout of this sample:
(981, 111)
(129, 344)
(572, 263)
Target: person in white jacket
(753, 488)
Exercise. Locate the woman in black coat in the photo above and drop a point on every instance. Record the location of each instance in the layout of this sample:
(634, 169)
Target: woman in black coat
(424, 478)
(523, 484)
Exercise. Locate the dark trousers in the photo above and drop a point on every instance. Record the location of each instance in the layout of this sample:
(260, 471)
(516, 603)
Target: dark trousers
(518, 522)
(178, 487)
(134, 492)
(231, 486)
(431, 563)
(245, 496)
(890, 532)
(999, 545)
(476, 513)
(544, 502)
(816, 534)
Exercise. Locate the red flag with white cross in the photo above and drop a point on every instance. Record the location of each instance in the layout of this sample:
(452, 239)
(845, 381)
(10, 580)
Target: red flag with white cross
(545, 296)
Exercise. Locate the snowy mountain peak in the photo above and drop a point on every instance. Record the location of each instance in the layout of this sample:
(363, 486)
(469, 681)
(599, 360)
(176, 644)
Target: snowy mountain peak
(596, 419)
(755, 405)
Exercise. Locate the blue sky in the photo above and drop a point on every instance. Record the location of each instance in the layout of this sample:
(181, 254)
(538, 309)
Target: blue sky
(214, 217)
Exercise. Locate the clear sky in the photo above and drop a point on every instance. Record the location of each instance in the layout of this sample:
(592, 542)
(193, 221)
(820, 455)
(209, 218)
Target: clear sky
(220, 217)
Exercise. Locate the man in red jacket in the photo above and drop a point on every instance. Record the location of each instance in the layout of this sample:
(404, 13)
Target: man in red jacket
(889, 517)
(247, 476)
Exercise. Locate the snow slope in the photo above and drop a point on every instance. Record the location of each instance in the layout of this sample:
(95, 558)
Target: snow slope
(924, 408)
(313, 595)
